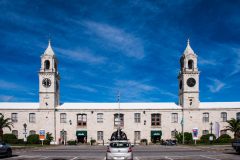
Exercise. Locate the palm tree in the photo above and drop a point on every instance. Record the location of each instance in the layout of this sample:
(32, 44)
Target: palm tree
(234, 126)
(4, 123)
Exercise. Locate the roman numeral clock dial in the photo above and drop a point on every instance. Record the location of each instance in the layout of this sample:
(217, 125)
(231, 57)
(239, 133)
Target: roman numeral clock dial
(46, 82)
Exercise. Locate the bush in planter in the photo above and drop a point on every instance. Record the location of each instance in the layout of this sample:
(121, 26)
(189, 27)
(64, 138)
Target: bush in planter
(48, 139)
(225, 138)
(205, 138)
(92, 141)
(72, 142)
(8, 138)
(33, 139)
(144, 141)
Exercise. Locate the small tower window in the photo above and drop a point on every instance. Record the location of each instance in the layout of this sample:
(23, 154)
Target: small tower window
(190, 64)
(182, 63)
(47, 64)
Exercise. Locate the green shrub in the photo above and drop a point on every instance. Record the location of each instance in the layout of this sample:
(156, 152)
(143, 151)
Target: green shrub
(16, 141)
(187, 137)
(205, 138)
(8, 137)
(225, 138)
(33, 139)
(48, 139)
(71, 142)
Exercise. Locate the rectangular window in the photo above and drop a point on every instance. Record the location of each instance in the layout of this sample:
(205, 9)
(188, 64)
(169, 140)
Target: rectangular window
(156, 119)
(100, 118)
(14, 117)
(205, 117)
(32, 118)
(99, 135)
(174, 118)
(118, 120)
(137, 117)
(82, 120)
(238, 116)
(63, 118)
(15, 132)
(137, 135)
(224, 116)
(32, 132)
(205, 132)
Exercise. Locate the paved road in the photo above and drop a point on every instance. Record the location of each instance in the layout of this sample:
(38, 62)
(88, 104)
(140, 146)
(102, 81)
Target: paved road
(140, 153)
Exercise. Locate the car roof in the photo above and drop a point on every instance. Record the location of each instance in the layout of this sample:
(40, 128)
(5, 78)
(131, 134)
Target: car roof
(114, 141)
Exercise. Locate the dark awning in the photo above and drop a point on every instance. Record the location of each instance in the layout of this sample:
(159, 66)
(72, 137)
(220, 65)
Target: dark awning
(81, 133)
(156, 133)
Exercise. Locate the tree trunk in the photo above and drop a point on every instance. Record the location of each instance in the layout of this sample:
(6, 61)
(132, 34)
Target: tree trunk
(1, 134)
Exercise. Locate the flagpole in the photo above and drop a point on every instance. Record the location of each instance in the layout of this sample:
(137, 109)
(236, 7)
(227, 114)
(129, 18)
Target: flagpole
(119, 121)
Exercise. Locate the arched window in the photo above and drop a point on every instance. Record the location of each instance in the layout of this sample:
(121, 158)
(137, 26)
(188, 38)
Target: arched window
(190, 64)
(238, 116)
(47, 64)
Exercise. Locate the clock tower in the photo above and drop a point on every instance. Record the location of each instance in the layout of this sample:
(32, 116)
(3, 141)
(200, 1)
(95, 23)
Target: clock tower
(188, 79)
(49, 79)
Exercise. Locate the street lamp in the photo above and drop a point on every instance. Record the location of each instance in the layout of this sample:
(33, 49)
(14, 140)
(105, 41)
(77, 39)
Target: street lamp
(211, 124)
(25, 131)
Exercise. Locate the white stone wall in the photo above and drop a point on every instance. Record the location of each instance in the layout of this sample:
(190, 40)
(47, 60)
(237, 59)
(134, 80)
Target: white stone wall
(45, 120)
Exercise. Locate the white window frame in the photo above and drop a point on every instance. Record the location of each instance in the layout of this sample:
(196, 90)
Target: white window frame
(14, 117)
(32, 118)
(15, 132)
(174, 117)
(82, 120)
(137, 135)
(205, 117)
(100, 135)
(137, 117)
(205, 132)
(99, 117)
(63, 118)
(224, 116)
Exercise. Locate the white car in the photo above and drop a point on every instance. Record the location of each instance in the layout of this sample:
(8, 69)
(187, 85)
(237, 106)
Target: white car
(119, 149)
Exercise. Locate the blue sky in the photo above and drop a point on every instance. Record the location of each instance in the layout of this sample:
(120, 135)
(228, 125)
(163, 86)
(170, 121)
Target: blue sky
(129, 46)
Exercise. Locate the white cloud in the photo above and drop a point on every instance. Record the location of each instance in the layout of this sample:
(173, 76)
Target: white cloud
(236, 64)
(82, 87)
(9, 85)
(82, 55)
(203, 61)
(134, 84)
(5, 98)
(128, 44)
(216, 85)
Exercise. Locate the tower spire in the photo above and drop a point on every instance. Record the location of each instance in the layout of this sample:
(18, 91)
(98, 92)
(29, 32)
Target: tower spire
(49, 50)
(188, 49)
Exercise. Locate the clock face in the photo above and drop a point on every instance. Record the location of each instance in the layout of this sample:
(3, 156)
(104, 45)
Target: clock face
(191, 82)
(46, 82)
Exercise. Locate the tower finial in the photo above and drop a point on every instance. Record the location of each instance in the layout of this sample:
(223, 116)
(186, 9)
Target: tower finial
(188, 41)
(49, 42)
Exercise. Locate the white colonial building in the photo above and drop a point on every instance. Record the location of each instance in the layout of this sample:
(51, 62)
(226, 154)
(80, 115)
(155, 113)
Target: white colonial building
(86, 121)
